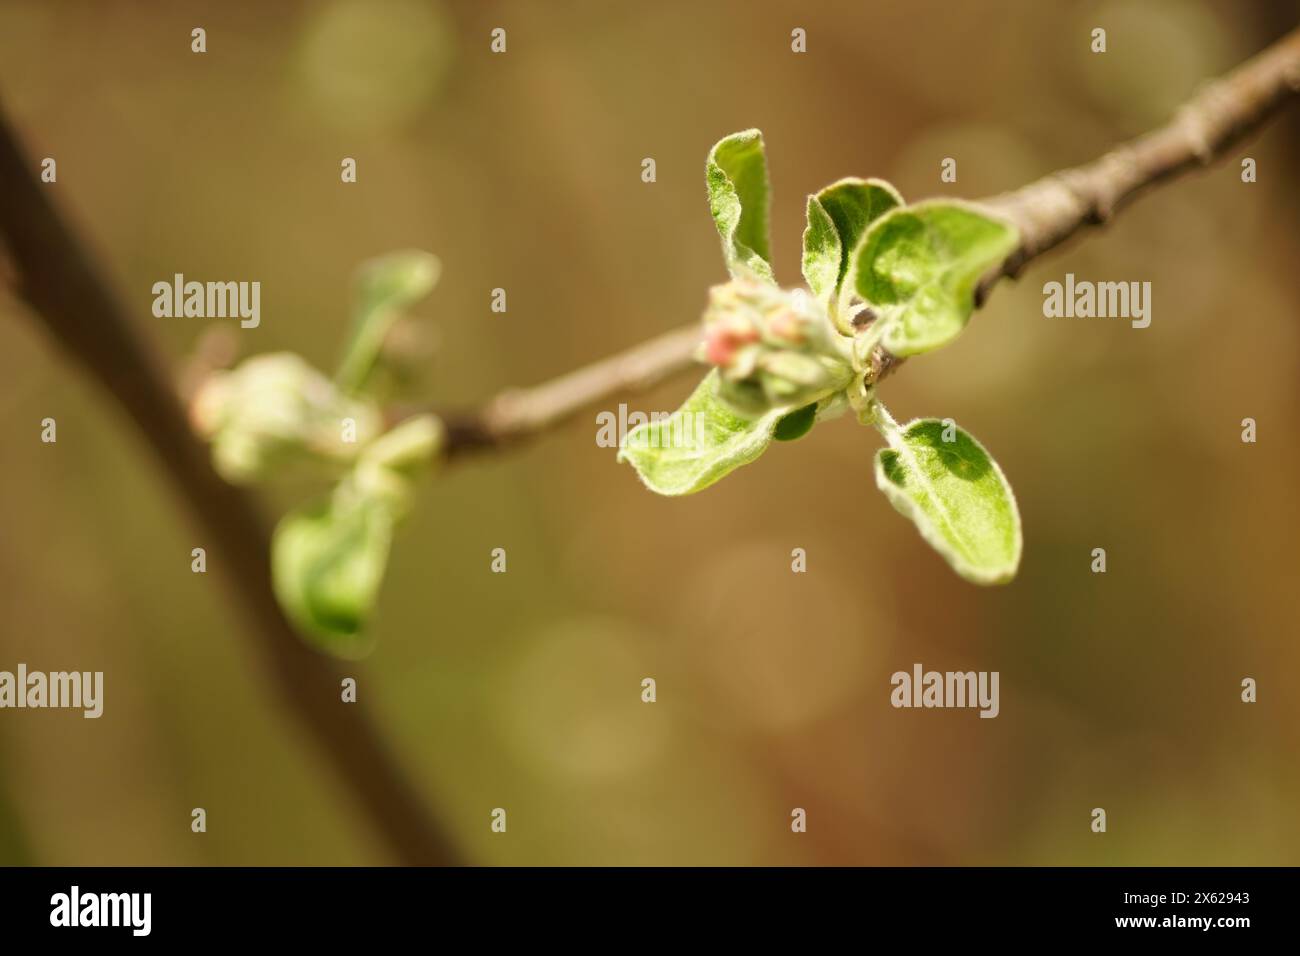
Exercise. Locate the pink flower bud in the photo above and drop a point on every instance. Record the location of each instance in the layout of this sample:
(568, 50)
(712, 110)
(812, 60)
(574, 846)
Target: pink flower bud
(787, 326)
(723, 341)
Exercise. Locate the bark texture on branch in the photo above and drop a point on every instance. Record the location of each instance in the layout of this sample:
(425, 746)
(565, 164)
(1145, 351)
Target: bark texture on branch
(1047, 212)
(1051, 210)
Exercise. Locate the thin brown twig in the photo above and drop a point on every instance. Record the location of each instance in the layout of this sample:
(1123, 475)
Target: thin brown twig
(56, 275)
(516, 414)
(1046, 212)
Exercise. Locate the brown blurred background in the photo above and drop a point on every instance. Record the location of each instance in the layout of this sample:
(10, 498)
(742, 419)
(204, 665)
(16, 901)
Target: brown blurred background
(522, 690)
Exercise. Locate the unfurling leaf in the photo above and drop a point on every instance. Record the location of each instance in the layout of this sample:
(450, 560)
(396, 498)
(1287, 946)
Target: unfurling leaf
(387, 471)
(385, 287)
(327, 563)
(736, 176)
(821, 251)
(919, 266)
(273, 413)
(837, 218)
(956, 495)
(698, 444)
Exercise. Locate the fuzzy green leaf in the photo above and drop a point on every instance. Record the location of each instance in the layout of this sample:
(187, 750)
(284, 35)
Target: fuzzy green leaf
(385, 288)
(327, 563)
(837, 218)
(796, 424)
(957, 497)
(698, 444)
(821, 251)
(736, 176)
(919, 267)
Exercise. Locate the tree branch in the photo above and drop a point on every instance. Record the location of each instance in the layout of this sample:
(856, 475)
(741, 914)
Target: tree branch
(1047, 213)
(516, 414)
(1054, 208)
(57, 277)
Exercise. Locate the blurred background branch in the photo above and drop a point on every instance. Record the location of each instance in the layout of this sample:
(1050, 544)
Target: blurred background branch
(56, 275)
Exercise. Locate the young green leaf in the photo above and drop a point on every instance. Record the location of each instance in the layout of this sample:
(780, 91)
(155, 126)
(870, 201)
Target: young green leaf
(387, 473)
(822, 251)
(919, 266)
(736, 176)
(698, 444)
(385, 287)
(837, 218)
(956, 495)
(327, 563)
(274, 414)
(796, 424)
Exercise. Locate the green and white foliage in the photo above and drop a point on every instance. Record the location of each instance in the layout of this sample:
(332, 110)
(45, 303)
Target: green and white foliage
(954, 492)
(736, 174)
(275, 414)
(918, 267)
(881, 274)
